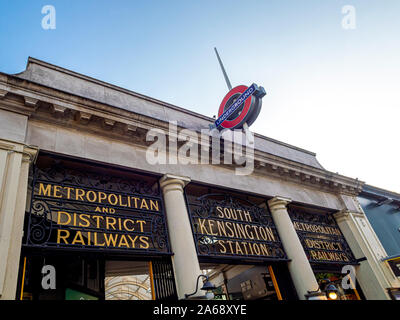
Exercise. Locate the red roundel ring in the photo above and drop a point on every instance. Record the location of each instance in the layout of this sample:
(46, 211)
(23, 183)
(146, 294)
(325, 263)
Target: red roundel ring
(238, 121)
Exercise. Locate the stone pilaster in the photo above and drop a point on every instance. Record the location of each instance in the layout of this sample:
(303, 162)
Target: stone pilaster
(15, 159)
(185, 262)
(372, 274)
(299, 266)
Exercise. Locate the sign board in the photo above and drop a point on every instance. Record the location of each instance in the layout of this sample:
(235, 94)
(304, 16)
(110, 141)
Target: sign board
(233, 228)
(71, 294)
(82, 209)
(240, 105)
(321, 237)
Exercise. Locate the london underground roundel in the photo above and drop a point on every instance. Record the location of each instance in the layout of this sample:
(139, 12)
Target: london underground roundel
(240, 105)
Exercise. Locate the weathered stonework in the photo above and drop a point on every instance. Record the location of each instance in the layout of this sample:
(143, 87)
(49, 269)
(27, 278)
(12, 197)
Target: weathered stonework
(72, 124)
(63, 112)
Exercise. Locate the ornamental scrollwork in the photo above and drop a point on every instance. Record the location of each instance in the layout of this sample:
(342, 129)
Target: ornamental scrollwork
(40, 223)
(225, 226)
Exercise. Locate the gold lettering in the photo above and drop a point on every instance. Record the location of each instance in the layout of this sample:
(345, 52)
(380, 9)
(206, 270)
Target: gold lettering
(136, 200)
(56, 192)
(111, 238)
(245, 248)
(248, 235)
(221, 243)
(112, 195)
(123, 243)
(125, 226)
(251, 248)
(256, 248)
(221, 214)
(255, 230)
(240, 214)
(132, 240)
(97, 218)
(144, 204)
(120, 201)
(91, 196)
(80, 240)
(240, 230)
(64, 237)
(45, 191)
(247, 215)
(203, 229)
(238, 248)
(227, 213)
(227, 224)
(59, 220)
(69, 189)
(230, 245)
(145, 241)
(234, 228)
(102, 196)
(314, 255)
(270, 234)
(112, 224)
(79, 194)
(95, 241)
(345, 258)
(264, 249)
(233, 214)
(221, 228)
(210, 225)
(154, 205)
(141, 222)
(263, 233)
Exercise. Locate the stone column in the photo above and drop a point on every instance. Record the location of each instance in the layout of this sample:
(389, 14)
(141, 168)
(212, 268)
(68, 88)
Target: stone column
(372, 274)
(185, 262)
(15, 159)
(299, 266)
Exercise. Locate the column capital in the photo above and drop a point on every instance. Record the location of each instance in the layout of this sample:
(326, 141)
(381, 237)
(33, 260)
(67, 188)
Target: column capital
(346, 215)
(171, 182)
(30, 154)
(278, 203)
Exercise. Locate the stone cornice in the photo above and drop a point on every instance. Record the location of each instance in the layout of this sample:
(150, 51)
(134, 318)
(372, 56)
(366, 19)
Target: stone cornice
(147, 98)
(41, 103)
(306, 175)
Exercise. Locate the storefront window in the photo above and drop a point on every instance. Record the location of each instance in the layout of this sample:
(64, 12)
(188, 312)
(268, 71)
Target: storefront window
(242, 282)
(126, 280)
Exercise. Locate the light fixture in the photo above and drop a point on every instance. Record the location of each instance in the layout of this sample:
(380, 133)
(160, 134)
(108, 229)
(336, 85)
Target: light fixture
(331, 291)
(315, 295)
(207, 286)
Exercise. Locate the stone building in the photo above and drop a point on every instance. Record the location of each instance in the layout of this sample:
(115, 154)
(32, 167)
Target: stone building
(79, 194)
(382, 208)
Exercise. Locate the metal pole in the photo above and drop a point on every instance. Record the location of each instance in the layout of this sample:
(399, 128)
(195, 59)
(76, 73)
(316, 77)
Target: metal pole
(228, 83)
(249, 136)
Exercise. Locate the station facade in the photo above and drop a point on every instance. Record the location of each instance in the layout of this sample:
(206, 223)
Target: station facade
(79, 194)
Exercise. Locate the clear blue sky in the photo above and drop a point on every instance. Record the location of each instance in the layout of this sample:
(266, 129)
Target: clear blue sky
(329, 90)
